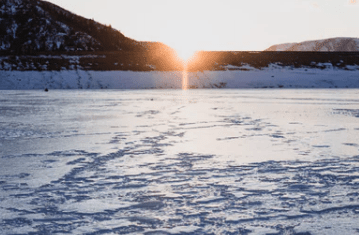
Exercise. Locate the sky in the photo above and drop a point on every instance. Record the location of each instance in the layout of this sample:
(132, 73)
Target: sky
(214, 25)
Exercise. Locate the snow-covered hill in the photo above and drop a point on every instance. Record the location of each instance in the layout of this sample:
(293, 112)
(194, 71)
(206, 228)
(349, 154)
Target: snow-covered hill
(332, 44)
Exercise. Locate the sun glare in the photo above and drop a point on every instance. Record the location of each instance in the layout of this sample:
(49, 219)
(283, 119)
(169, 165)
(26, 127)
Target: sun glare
(185, 36)
(185, 79)
(185, 53)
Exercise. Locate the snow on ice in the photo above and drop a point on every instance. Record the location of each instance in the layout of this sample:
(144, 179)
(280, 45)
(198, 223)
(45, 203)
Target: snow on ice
(179, 161)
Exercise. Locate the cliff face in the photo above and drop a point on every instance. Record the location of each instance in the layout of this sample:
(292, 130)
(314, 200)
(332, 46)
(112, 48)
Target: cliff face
(331, 44)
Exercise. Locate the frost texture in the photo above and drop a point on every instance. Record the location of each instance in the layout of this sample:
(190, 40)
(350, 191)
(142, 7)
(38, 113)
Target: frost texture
(179, 162)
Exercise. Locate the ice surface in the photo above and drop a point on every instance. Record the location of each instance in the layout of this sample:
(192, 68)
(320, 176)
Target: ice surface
(179, 162)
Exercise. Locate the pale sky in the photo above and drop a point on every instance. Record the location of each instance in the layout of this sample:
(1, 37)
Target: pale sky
(190, 25)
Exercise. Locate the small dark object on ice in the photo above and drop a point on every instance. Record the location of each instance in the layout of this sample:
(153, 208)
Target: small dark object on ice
(46, 90)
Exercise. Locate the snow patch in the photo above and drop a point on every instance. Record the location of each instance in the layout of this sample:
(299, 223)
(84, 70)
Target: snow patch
(40, 10)
(352, 67)
(244, 67)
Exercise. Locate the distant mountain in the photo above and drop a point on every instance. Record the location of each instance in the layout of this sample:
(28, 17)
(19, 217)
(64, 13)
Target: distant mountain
(28, 26)
(332, 44)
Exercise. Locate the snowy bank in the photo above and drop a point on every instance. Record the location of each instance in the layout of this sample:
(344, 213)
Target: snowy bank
(247, 77)
(81, 79)
(277, 77)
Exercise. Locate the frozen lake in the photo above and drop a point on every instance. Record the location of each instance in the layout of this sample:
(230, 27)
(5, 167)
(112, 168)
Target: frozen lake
(179, 162)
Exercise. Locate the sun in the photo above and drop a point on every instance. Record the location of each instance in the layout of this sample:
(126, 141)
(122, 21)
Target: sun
(185, 36)
(185, 47)
(185, 52)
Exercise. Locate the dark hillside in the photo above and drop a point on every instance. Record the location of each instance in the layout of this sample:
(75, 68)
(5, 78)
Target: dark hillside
(27, 26)
(39, 28)
(110, 39)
